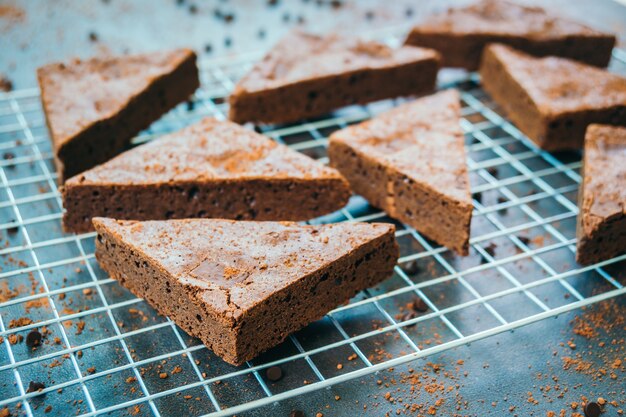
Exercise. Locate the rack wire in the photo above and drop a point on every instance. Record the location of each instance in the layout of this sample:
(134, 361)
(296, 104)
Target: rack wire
(105, 349)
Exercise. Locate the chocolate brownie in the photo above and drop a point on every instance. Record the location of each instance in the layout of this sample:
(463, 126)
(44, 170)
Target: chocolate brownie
(242, 287)
(214, 169)
(461, 34)
(552, 100)
(94, 108)
(306, 75)
(410, 162)
(601, 228)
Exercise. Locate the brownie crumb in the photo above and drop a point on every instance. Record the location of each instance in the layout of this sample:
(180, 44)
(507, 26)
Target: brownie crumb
(369, 15)
(229, 17)
(193, 9)
(35, 386)
(208, 48)
(408, 12)
(274, 373)
(190, 105)
(525, 240)
(5, 412)
(491, 250)
(502, 200)
(93, 37)
(163, 375)
(47, 409)
(336, 4)
(411, 267)
(272, 2)
(478, 197)
(33, 339)
(419, 305)
(296, 413)
(6, 85)
(493, 171)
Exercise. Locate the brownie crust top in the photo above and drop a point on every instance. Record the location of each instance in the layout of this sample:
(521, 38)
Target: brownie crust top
(73, 103)
(496, 17)
(427, 127)
(253, 259)
(559, 85)
(302, 56)
(209, 149)
(604, 192)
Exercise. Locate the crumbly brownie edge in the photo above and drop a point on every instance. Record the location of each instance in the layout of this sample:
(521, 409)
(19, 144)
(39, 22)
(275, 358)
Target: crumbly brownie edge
(605, 241)
(106, 138)
(367, 177)
(508, 94)
(438, 217)
(284, 199)
(314, 97)
(166, 294)
(464, 51)
(310, 298)
(403, 198)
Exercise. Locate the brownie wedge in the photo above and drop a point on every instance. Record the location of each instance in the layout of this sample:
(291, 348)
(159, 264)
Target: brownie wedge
(552, 100)
(95, 107)
(307, 75)
(461, 34)
(242, 287)
(601, 226)
(410, 162)
(213, 169)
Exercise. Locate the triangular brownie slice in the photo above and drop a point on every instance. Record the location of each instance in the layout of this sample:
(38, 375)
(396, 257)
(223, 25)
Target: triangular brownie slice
(214, 169)
(460, 34)
(242, 287)
(307, 75)
(601, 230)
(552, 100)
(410, 161)
(94, 108)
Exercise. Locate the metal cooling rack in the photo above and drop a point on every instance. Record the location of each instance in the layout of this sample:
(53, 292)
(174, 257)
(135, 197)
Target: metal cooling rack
(521, 269)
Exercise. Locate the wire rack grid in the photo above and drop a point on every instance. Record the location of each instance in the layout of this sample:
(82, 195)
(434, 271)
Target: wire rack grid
(105, 350)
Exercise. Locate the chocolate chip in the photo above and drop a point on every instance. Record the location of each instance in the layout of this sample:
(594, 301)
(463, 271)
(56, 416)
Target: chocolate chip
(13, 229)
(8, 156)
(274, 373)
(493, 171)
(335, 4)
(419, 305)
(35, 386)
(491, 249)
(33, 338)
(592, 409)
(296, 413)
(411, 267)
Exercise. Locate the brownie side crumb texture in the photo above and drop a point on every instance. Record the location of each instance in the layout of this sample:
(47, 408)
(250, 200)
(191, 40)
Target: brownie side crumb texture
(601, 226)
(248, 284)
(552, 100)
(411, 163)
(461, 34)
(213, 169)
(306, 75)
(95, 107)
